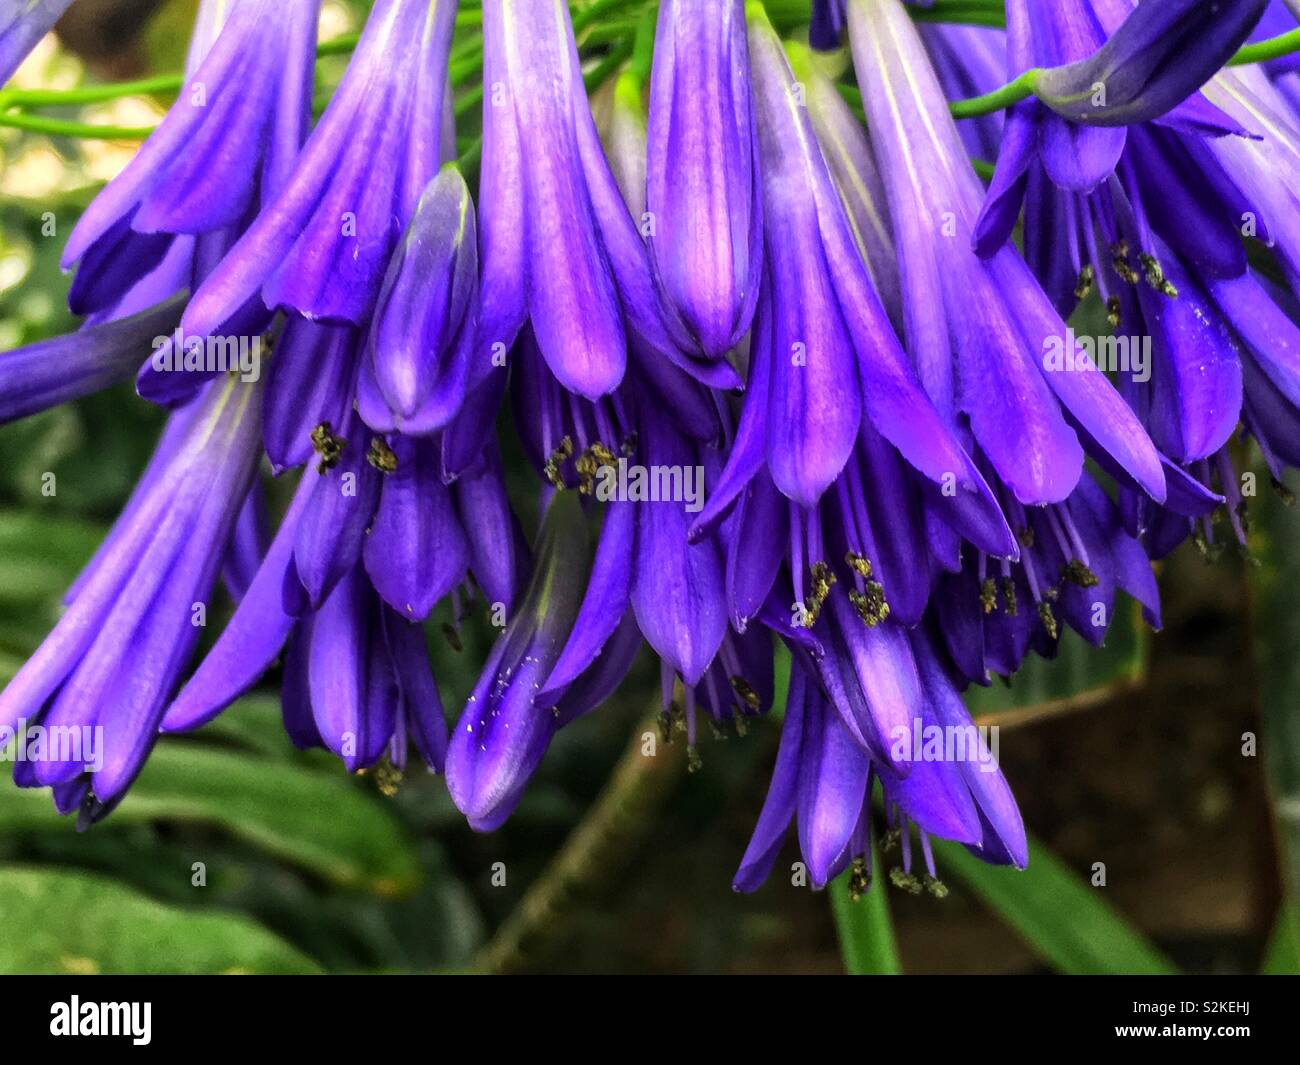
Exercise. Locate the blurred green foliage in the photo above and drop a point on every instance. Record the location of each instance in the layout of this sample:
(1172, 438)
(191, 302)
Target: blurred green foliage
(235, 852)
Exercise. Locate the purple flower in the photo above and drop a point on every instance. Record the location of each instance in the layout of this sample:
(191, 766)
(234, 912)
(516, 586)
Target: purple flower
(658, 425)
(702, 186)
(357, 682)
(64, 368)
(1151, 218)
(416, 551)
(227, 144)
(1080, 148)
(512, 715)
(1110, 63)
(978, 330)
(360, 557)
(321, 245)
(827, 26)
(1074, 557)
(970, 61)
(823, 357)
(413, 375)
(312, 382)
(823, 780)
(115, 656)
(559, 248)
(1261, 169)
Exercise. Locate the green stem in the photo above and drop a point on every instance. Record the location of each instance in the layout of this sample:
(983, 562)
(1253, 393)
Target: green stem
(864, 927)
(90, 94)
(603, 840)
(58, 127)
(1022, 88)
(162, 84)
(1012, 93)
(1263, 51)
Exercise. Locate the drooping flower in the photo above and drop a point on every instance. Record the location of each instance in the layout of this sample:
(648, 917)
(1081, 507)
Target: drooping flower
(702, 186)
(116, 655)
(1152, 218)
(358, 683)
(64, 368)
(1074, 558)
(414, 371)
(982, 354)
(1114, 63)
(824, 359)
(970, 61)
(983, 358)
(511, 717)
(349, 522)
(321, 245)
(823, 780)
(227, 145)
(559, 248)
(646, 452)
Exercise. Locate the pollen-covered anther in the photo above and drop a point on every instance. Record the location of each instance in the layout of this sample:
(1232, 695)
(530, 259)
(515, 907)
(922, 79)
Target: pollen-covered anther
(822, 580)
(1112, 312)
(381, 456)
(859, 879)
(936, 887)
(989, 595)
(1083, 286)
(1009, 594)
(861, 566)
(1076, 572)
(589, 464)
(1155, 275)
(905, 881)
(746, 693)
(1048, 618)
(1283, 493)
(871, 605)
(694, 763)
(388, 778)
(1026, 537)
(1120, 264)
(328, 446)
(556, 460)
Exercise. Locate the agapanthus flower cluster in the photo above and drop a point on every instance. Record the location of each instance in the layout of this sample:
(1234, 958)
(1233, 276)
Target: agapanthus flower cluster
(791, 380)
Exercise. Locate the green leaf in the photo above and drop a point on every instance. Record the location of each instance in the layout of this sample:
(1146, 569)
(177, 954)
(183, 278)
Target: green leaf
(40, 555)
(319, 820)
(1282, 958)
(77, 923)
(256, 724)
(1275, 545)
(1066, 921)
(865, 929)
